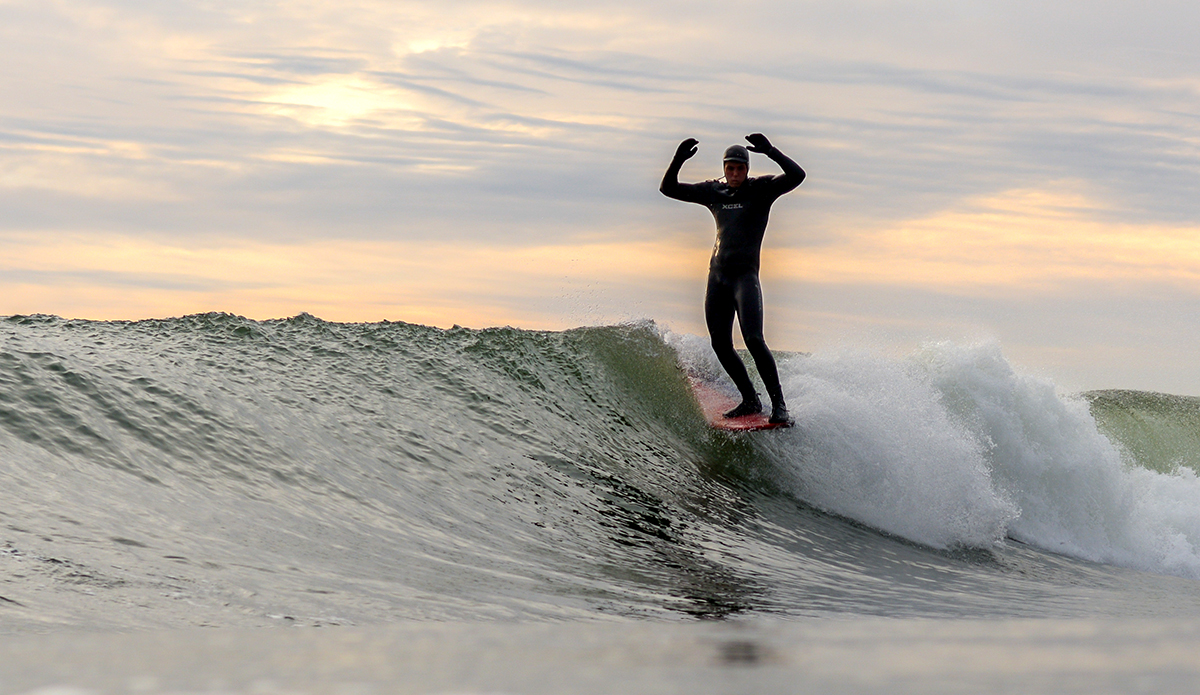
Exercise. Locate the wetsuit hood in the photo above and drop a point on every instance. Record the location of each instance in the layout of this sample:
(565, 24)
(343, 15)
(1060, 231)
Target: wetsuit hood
(737, 153)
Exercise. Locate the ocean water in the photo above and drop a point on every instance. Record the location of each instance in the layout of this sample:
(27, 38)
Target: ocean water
(214, 471)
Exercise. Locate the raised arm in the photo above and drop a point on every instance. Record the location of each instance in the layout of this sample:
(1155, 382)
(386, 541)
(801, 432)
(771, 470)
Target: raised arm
(792, 175)
(670, 184)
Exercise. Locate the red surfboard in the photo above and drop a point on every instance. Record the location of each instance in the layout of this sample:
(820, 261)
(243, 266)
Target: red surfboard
(715, 403)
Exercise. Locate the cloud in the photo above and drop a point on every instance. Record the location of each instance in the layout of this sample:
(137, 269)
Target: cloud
(1026, 241)
(243, 87)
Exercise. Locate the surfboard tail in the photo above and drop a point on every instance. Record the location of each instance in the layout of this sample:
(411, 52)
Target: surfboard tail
(715, 402)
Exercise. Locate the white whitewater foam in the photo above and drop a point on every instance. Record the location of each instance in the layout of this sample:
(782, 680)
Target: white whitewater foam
(952, 447)
(1076, 493)
(876, 443)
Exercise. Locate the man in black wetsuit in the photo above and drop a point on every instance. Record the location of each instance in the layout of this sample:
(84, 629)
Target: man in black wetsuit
(740, 206)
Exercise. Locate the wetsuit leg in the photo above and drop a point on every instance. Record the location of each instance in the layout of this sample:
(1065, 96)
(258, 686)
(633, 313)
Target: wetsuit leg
(747, 294)
(720, 306)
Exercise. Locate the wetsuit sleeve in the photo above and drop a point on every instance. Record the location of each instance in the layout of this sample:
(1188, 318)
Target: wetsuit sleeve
(791, 177)
(687, 192)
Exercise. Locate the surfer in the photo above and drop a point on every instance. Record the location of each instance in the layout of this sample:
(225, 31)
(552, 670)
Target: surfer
(740, 206)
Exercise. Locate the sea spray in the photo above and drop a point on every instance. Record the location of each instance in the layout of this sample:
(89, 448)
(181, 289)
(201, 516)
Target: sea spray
(952, 447)
(876, 443)
(1076, 493)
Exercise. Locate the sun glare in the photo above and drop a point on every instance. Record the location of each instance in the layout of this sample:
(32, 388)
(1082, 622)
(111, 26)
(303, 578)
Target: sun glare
(339, 101)
(430, 44)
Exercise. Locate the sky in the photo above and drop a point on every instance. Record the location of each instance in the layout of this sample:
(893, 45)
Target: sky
(1018, 172)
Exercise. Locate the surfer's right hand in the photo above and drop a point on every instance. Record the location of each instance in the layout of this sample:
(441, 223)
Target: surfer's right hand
(686, 150)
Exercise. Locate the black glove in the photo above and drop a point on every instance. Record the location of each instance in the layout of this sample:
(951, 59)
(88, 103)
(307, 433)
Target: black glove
(686, 150)
(759, 143)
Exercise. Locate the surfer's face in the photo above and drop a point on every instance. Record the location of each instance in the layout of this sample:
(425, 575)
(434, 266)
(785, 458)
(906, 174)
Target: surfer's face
(735, 173)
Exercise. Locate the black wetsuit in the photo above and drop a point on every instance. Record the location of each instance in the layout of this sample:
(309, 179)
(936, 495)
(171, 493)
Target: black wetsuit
(741, 216)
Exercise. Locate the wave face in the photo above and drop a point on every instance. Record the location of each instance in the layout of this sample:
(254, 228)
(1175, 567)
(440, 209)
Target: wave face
(213, 470)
